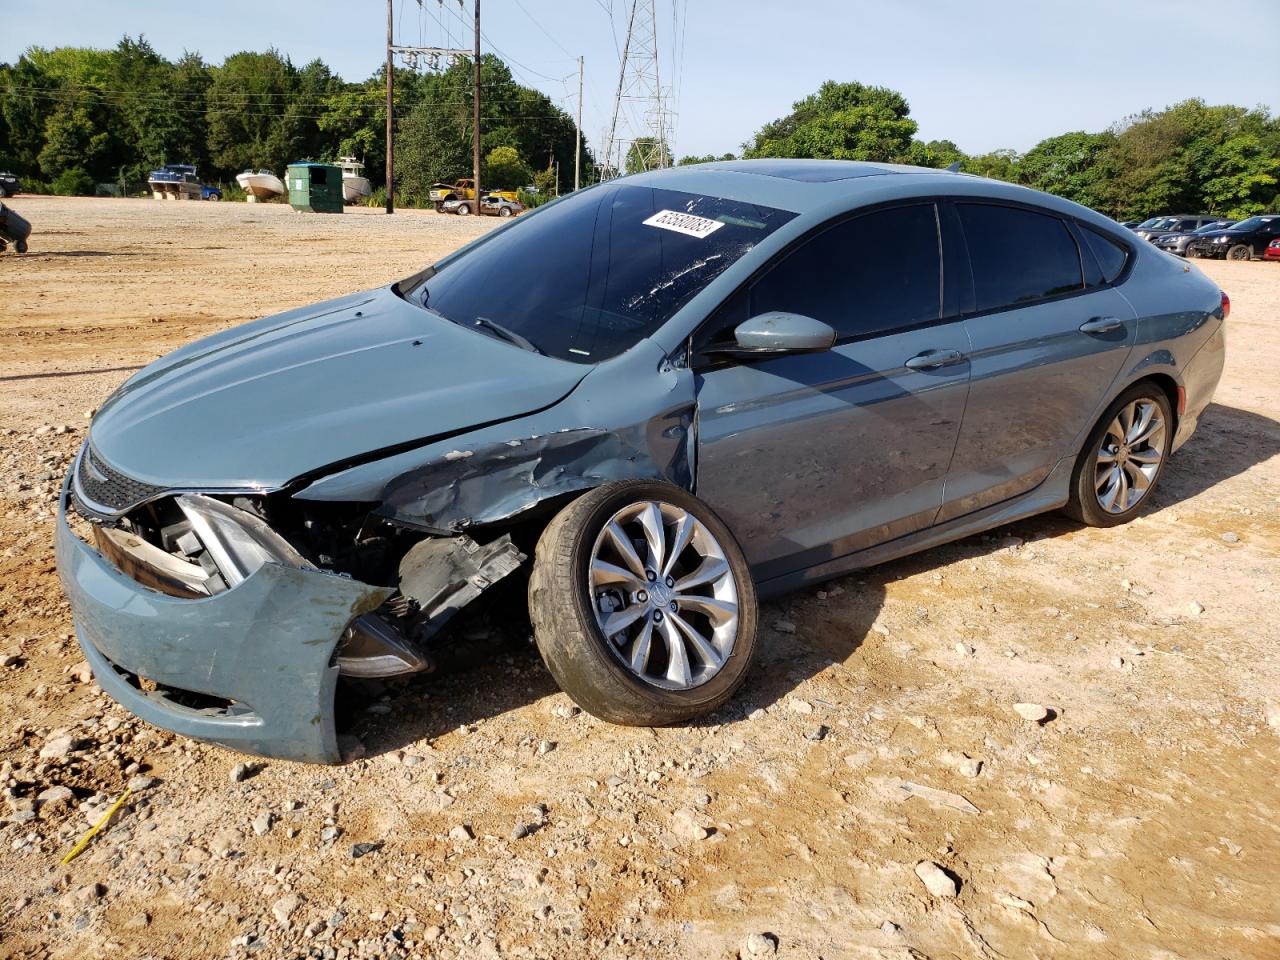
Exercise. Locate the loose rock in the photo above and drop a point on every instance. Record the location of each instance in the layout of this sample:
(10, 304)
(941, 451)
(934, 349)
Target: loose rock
(936, 880)
(286, 907)
(1035, 712)
(759, 945)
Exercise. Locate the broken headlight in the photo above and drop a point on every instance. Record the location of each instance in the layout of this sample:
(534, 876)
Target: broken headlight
(235, 541)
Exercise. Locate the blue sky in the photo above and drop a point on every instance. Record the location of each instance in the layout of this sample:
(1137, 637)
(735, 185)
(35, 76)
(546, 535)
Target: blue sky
(984, 73)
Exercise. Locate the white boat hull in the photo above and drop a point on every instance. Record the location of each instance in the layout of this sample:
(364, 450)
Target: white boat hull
(260, 186)
(355, 189)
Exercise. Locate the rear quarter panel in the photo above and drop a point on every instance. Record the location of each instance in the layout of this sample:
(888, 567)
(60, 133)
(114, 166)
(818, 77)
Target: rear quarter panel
(1180, 329)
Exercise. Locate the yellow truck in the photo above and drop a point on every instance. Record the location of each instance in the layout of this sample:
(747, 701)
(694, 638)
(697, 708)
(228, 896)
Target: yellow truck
(464, 189)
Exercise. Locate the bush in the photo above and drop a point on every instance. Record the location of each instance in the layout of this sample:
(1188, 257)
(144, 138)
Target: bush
(74, 183)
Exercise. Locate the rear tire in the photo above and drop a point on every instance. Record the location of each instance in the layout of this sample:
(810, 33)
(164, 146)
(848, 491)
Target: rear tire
(1241, 251)
(1123, 459)
(651, 672)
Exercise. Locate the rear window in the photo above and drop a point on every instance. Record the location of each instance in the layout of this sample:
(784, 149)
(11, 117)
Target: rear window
(591, 275)
(1018, 256)
(1109, 256)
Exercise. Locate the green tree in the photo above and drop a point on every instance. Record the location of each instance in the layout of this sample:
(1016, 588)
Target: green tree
(1067, 165)
(842, 121)
(503, 169)
(709, 158)
(248, 113)
(998, 165)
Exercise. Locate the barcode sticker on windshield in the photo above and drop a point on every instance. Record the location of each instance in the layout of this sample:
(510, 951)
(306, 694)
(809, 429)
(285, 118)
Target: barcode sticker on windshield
(685, 223)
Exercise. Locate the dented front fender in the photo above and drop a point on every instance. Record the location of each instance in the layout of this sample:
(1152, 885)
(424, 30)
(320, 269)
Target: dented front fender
(595, 436)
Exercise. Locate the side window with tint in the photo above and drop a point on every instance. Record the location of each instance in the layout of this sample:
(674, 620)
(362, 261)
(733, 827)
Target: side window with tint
(872, 274)
(1018, 255)
(1109, 255)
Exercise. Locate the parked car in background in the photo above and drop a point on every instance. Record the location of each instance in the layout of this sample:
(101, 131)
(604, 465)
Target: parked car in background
(1177, 242)
(1130, 224)
(1151, 223)
(1241, 241)
(208, 192)
(660, 397)
(491, 205)
(1176, 223)
(1273, 251)
(10, 185)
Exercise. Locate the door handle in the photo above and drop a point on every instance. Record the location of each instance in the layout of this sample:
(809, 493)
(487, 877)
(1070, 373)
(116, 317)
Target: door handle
(1101, 325)
(932, 359)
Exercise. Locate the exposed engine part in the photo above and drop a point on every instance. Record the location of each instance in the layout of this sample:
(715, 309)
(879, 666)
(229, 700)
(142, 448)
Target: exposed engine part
(443, 575)
(371, 647)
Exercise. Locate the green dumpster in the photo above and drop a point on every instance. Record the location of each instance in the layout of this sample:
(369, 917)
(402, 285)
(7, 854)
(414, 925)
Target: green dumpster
(314, 187)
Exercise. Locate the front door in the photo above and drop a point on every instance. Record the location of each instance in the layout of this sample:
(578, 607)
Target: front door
(810, 457)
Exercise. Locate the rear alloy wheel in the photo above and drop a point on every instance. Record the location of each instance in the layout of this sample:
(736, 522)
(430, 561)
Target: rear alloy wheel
(1241, 251)
(1123, 460)
(642, 604)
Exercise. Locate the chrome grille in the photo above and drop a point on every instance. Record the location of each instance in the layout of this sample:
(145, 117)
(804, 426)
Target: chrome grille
(100, 491)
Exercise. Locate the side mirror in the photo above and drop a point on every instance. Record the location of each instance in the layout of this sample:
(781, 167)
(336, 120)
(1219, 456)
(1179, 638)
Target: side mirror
(775, 333)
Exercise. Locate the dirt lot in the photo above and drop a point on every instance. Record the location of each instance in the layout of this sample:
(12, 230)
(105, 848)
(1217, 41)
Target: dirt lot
(1141, 821)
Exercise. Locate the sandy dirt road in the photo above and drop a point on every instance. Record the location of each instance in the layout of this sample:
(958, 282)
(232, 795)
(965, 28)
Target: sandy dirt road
(1142, 821)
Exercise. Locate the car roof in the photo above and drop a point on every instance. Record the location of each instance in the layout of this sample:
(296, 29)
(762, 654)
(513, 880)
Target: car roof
(821, 188)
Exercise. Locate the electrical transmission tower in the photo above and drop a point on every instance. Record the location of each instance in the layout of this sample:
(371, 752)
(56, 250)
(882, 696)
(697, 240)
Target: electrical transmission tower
(639, 130)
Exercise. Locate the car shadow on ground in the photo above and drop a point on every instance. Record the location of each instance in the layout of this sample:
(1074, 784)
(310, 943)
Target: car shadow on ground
(493, 666)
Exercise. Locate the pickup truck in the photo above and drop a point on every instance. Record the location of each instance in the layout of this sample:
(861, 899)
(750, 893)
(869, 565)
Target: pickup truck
(464, 189)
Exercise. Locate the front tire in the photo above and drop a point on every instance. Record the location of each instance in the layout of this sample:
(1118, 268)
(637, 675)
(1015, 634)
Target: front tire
(463, 210)
(1123, 459)
(1241, 251)
(642, 604)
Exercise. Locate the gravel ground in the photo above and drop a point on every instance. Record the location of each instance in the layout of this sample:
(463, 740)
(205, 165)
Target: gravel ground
(1044, 742)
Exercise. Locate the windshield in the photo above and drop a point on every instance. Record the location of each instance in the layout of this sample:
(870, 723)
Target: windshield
(1253, 223)
(1149, 223)
(595, 273)
(1218, 225)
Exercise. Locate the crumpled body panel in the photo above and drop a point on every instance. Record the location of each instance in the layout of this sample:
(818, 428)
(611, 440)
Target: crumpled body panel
(496, 473)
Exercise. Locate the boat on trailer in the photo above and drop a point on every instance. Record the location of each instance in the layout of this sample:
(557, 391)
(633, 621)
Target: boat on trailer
(262, 185)
(175, 181)
(355, 185)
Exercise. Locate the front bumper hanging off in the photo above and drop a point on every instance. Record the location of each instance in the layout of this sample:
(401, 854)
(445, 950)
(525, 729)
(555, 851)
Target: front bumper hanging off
(254, 663)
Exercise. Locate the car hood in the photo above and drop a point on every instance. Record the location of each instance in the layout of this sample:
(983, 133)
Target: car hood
(264, 403)
(1225, 232)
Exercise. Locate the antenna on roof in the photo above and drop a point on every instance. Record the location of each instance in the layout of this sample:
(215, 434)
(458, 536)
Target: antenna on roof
(953, 167)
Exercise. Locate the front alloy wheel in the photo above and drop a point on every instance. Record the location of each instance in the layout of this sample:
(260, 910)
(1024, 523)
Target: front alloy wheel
(671, 616)
(642, 604)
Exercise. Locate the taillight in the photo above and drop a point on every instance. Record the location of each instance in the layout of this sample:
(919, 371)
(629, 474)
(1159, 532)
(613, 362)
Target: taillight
(1226, 305)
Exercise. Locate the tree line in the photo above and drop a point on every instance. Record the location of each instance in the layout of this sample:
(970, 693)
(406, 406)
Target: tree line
(73, 117)
(1186, 158)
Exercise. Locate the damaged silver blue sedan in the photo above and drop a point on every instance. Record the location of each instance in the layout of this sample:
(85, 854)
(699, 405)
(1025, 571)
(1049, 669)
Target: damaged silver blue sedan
(653, 399)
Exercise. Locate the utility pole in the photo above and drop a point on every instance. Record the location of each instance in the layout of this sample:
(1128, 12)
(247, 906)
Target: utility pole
(433, 58)
(390, 123)
(475, 109)
(577, 134)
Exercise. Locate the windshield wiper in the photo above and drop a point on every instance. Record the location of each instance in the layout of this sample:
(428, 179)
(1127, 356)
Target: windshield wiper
(508, 335)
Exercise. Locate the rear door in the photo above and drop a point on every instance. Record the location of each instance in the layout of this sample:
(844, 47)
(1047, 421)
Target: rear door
(1049, 338)
(809, 457)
